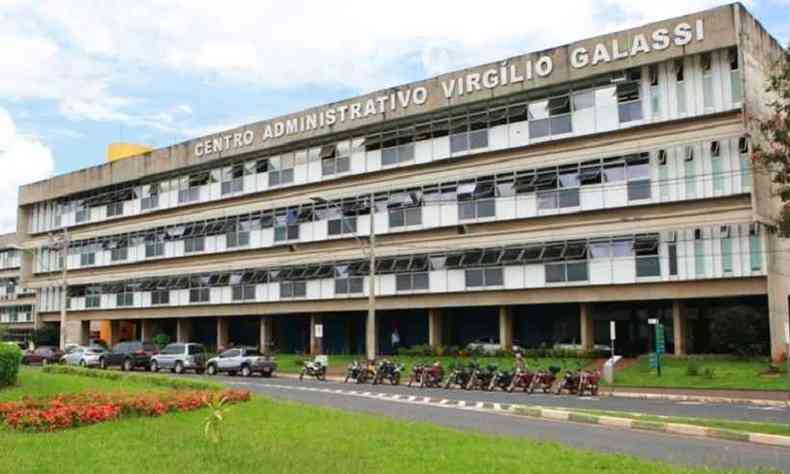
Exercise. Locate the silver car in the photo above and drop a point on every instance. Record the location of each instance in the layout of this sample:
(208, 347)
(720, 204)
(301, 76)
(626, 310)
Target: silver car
(84, 356)
(180, 357)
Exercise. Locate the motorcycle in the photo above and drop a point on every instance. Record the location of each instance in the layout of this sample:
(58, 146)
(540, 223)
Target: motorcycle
(501, 379)
(313, 368)
(459, 375)
(588, 382)
(570, 382)
(387, 370)
(521, 379)
(432, 376)
(544, 379)
(416, 373)
(481, 377)
(357, 372)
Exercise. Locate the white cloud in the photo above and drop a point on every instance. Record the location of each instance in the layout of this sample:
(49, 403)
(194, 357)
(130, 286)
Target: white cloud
(23, 160)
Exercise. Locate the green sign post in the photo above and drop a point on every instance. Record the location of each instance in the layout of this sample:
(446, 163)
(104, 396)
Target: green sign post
(660, 348)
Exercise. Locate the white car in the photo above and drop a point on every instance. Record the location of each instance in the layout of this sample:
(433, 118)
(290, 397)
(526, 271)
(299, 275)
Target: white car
(490, 345)
(84, 356)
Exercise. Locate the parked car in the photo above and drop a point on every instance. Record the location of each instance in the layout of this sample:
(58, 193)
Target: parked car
(244, 360)
(129, 355)
(84, 356)
(179, 357)
(490, 345)
(42, 355)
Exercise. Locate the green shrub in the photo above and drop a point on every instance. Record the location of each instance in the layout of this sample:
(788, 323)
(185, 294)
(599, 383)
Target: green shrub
(10, 358)
(708, 373)
(161, 340)
(693, 368)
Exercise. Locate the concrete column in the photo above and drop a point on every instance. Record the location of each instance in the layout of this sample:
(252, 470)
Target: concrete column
(316, 343)
(679, 326)
(266, 334)
(114, 333)
(587, 327)
(183, 330)
(435, 327)
(146, 330)
(222, 333)
(506, 328)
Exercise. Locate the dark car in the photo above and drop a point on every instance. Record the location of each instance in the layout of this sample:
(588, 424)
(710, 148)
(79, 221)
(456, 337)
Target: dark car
(42, 355)
(243, 360)
(129, 355)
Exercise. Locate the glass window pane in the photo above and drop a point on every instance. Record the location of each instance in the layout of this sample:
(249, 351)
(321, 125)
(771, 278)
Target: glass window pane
(569, 197)
(420, 281)
(403, 282)
(639, 190)
(555, 272)
(493, 277)
(474, 278)
(577, 271)
(486, 208)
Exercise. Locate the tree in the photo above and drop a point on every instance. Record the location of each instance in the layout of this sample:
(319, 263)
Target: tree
(772, 153)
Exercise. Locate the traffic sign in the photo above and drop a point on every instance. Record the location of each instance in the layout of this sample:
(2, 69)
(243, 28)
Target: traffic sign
(653, 360)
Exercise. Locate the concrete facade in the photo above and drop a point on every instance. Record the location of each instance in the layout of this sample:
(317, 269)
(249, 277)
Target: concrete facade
(668, 212)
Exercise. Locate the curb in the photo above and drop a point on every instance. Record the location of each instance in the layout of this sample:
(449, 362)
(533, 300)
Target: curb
(656, 426)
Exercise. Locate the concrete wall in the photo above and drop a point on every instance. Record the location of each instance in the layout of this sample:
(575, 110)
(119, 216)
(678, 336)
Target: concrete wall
(719, 32)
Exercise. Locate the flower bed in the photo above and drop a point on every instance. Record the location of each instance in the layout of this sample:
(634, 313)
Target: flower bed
(69, 411)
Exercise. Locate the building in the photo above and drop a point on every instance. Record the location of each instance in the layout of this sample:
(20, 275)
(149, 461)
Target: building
(17, 303)
(535, 198)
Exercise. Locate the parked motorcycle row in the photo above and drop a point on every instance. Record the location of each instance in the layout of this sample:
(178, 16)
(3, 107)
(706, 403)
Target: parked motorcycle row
(472, 376)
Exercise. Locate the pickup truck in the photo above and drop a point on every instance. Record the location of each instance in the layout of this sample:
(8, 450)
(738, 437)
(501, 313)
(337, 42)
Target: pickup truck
(243, 360)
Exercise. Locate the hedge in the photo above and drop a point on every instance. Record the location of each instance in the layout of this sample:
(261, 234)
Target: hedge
(158, 380)
(10, 358)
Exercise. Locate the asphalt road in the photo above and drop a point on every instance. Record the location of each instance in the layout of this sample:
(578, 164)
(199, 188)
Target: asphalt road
(657, 446)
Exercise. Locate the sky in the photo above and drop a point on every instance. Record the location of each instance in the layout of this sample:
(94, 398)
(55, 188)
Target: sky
(77, 75)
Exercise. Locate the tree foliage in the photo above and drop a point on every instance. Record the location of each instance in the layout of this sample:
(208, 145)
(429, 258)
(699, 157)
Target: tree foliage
(771, 153)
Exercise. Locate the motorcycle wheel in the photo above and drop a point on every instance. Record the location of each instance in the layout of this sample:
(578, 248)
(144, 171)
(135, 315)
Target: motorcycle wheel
(594, 391)
(396, 379)
(301, 375)
(510, 387)
(448, 384)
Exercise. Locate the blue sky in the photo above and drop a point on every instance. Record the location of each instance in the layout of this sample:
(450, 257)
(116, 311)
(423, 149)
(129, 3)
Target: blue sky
(77, 75)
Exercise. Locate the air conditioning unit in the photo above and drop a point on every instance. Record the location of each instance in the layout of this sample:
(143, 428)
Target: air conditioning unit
(619, 76)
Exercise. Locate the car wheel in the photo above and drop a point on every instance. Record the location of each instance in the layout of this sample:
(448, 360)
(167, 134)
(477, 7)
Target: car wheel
(127, 365)
(102, 363)
(245, 371)
(154, 366)
(211, 369)
(179, 368)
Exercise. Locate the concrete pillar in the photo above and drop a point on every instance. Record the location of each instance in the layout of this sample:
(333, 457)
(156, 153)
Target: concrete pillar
(222, 333)
(371, 336)
(506, 328)
(435, 327)
(266, 334)
(183, 330)
(114, 333)
(146, 330)
(679, 326)
(316, 343)
(587, 327)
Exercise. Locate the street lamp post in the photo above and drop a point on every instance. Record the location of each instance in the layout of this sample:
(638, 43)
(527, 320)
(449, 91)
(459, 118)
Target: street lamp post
(370, 337)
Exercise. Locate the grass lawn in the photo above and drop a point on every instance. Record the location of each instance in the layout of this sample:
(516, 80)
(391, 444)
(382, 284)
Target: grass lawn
(281, 437)
(745, 426)
(292, 363)
(728, 374)
(34, 383)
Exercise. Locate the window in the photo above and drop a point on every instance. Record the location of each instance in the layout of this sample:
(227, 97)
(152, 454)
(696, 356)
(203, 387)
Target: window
(629, 103)
(342, 225)
(233, 179)
(707, 80)
(559, 272)
(638, 171)
(293, 289)
(663, 175)
(397, 147)
(412, 281)
(346, 285)
(237, 237)
(189, 187)
(93, 297)
(335, 159)
(286, 227)
(243, 292)
(672, 248)
(119, 254)
(655, 91)
(680, 86)
(484, 277)
(405, 216)
(281, 170)
(746, 164)
(469, 133)
(199, 295)
(550, 117)
(690, 171)
(755, 248)
(154, 247)
(647, 260)
(124, 298)
(726, 249)
(717, 167)
(114, 209)
(82, 215)
(735, 76)
(150, 198)
(159, 297)
(476, 200)
(87, 259)
(583, 101)
(568, 195)
(699, 254)
(194, 244)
